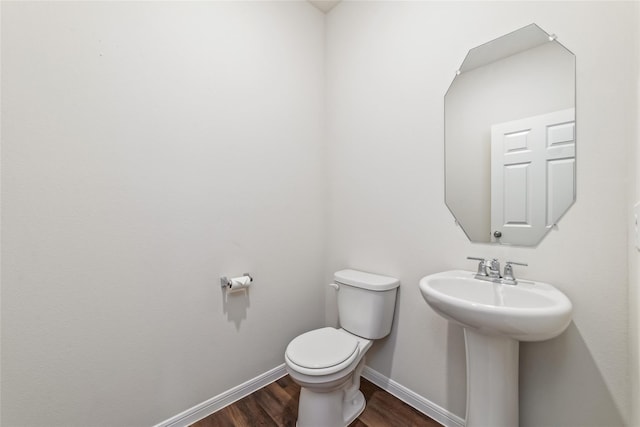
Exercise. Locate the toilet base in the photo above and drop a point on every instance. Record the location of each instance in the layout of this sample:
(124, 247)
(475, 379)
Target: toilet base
(354, 408)
(328, 409)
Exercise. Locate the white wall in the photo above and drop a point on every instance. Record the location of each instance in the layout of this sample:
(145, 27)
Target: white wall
(149, 148)
(634, 257)
(388, 67)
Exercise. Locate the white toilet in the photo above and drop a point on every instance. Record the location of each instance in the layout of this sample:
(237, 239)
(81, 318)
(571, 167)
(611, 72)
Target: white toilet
(327, 362)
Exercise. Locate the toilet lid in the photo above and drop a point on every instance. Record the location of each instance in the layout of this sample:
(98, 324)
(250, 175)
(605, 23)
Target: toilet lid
(322, 348)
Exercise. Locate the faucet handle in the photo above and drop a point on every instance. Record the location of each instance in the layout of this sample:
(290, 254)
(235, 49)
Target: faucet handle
(517, 263)
(482, 265)
(508, 269)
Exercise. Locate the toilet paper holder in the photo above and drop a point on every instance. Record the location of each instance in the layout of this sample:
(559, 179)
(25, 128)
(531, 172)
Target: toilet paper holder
(225, 282)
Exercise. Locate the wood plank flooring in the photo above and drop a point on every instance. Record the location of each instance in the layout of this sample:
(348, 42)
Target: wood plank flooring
(277, 405)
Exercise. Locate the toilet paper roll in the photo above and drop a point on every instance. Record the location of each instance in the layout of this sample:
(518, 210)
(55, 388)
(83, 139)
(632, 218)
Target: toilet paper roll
(239, 284)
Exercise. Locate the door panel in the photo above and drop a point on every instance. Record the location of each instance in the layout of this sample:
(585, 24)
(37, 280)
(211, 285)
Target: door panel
(532, 175)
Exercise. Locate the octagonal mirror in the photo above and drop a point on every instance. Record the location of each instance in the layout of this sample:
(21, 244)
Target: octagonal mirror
(510, 146)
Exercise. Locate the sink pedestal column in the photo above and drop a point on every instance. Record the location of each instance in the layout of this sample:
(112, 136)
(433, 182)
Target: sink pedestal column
(492, 380)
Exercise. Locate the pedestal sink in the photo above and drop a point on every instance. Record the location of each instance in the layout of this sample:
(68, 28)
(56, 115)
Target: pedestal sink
(495, 317)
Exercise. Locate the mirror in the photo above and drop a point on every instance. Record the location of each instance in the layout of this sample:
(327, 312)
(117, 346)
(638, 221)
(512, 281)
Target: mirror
(510, 146)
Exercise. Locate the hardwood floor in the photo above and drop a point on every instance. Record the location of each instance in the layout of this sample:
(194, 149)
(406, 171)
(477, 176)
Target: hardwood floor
(277, 405)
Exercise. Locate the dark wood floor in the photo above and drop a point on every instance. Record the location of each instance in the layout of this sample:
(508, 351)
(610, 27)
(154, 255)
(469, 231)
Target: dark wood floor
(277, 405)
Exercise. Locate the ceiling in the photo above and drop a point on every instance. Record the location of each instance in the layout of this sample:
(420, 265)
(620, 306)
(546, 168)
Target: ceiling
(324, 5)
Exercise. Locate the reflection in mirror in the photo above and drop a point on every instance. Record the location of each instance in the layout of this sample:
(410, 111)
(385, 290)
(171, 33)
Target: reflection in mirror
(510, 138)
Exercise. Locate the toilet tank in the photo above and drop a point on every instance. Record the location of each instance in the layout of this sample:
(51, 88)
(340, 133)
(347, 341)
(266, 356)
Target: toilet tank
(366, 302)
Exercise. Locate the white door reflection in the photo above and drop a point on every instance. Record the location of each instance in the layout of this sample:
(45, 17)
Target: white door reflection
(532, 175)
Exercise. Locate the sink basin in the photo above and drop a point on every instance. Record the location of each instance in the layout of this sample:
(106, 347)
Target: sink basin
(528, 311)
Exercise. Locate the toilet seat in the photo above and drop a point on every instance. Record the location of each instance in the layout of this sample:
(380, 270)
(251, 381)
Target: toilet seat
(322, 351)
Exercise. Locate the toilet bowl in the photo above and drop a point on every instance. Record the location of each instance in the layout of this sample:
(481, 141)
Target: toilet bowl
(327, 362)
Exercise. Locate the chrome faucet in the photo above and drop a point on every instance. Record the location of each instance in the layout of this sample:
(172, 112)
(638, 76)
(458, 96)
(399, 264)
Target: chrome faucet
(489, 270)
(494, 269)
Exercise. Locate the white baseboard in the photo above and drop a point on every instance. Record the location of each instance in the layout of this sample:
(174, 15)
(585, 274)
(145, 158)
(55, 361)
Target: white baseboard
(226, 398)
(413, 399)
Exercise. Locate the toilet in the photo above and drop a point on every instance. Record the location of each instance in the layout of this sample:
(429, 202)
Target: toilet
(327, 362)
